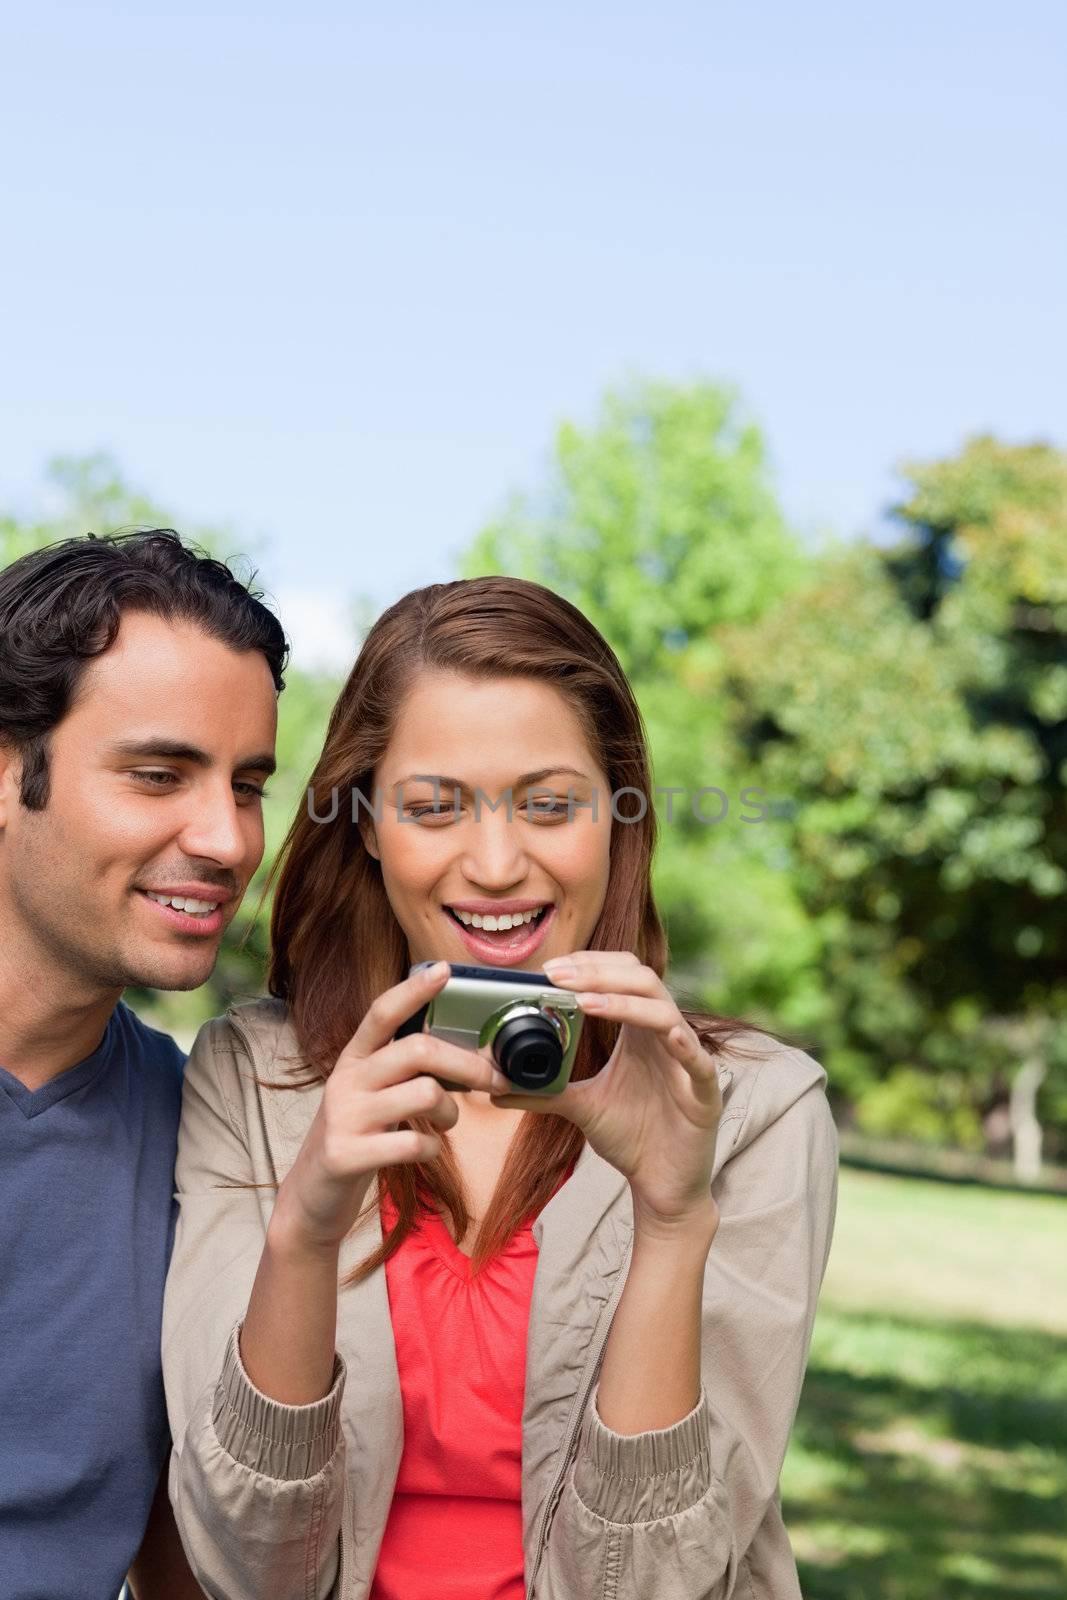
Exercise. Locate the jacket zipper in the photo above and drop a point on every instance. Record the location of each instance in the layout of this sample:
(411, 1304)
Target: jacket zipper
(340, 1589)
(342, 1574)
(725, 1078)
(609, 1314)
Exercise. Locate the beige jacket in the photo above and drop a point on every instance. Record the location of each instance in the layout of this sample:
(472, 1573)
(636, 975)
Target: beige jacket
(280, 1502)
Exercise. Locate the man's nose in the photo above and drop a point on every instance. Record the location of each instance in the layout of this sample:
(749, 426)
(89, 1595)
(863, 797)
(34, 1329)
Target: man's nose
(213, 829)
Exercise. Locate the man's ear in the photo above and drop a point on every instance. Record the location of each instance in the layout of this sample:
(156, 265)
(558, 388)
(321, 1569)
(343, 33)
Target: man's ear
(10, 778)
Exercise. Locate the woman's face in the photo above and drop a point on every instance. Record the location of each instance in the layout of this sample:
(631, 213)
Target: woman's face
(482, 854)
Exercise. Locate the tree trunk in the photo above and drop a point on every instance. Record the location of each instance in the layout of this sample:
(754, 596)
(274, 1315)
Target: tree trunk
(1025, 1128)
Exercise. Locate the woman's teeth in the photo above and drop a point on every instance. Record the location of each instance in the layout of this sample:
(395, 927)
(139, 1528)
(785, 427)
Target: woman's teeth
(471, 919)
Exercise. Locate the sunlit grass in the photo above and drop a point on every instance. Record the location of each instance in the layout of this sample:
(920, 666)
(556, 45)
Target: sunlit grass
(953, 1250)
(929, 1456)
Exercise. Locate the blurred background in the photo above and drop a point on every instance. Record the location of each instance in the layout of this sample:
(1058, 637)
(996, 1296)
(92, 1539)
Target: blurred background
(745, 330)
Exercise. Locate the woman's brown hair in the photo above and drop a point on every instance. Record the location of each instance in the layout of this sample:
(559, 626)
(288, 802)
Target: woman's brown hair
(335, 943)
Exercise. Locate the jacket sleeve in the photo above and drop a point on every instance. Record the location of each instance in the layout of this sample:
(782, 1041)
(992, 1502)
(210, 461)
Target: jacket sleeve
(670, 1514)
(257, 1486)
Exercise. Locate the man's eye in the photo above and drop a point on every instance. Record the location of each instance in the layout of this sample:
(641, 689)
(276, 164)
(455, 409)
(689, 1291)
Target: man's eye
(159, 779)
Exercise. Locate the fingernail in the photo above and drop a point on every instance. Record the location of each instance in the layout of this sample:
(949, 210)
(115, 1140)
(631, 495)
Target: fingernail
(438, 968)
(560, 967)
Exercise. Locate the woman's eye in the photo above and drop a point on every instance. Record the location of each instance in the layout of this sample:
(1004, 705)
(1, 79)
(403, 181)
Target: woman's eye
(419, 812)
(548, 808)
(253, 790)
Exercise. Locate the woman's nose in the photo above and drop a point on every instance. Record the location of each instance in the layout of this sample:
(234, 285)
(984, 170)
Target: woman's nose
(494, 856)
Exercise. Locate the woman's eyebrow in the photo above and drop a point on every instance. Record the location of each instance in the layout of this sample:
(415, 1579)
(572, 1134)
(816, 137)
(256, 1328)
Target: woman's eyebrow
(447, 782)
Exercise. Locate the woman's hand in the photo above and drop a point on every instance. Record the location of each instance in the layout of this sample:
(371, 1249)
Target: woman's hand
(653, 1109)
(377, 1083)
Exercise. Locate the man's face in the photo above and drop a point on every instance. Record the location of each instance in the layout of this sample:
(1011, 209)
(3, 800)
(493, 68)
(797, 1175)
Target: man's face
(155, 777)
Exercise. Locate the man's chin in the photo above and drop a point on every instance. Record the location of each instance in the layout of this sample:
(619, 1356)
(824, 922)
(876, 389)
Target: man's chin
(186, 972)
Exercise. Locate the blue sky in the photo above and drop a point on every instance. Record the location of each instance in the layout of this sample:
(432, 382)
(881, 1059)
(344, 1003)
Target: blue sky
(336, 274)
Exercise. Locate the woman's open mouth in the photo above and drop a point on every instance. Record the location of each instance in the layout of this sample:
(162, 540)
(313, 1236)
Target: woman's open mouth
(501, 947)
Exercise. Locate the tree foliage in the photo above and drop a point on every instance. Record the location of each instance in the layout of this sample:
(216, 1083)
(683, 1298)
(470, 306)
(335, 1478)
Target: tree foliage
(661, 524)
(912, 700)
(861, 751)
(903, 711)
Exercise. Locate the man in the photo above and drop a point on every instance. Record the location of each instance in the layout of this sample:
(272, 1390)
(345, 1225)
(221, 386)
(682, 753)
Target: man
(138, 706)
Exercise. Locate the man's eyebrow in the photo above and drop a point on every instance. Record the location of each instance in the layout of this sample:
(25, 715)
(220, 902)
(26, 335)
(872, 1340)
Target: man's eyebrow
(457, 783)
(175, 750)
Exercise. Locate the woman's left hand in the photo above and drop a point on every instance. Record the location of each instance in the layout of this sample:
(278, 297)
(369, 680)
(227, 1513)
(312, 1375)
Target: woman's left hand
(653, 1109)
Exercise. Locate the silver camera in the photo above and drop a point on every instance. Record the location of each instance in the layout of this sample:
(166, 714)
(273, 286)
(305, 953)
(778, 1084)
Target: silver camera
(532, 1027)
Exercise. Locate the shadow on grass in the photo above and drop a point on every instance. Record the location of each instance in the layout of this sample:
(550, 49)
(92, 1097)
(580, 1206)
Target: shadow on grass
(928, 1461)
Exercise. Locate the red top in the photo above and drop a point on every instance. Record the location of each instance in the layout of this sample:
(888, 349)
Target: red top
(455, 1524)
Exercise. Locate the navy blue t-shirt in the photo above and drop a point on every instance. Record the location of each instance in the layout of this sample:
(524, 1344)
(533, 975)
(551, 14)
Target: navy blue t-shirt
(87, 1216)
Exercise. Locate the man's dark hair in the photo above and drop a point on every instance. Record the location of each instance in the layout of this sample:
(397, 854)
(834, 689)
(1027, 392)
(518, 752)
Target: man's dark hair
(61, 606)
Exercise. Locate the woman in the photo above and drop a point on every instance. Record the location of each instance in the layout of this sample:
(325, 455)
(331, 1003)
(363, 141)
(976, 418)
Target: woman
(474, 1344)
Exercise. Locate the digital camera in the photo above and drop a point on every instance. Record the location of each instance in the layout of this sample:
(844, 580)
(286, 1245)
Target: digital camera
(532, 1027)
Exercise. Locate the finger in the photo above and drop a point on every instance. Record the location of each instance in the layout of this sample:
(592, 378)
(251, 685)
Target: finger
(617, 958)
(384, 1016)
(422, 1054)
(637, 1010)
(563, 1104)
(622, 977)
(396, 1148)
(684, 1044)
(416, 1097)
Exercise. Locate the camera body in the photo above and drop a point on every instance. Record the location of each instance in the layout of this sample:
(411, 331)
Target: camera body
(532, 1027)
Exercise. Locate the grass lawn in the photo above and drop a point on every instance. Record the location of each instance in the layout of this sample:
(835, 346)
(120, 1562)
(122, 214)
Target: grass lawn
(929, 1456)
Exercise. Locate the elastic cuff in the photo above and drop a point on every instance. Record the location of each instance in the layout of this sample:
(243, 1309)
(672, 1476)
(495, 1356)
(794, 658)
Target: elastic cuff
(636, 1477)
(268, 1436)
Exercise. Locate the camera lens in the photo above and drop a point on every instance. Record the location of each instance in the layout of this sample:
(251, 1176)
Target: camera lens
(528, 1051)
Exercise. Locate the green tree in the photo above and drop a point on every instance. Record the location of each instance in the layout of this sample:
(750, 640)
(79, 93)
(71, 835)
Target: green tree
(89, 494)
(901, 709)
(661, 524)
(659, 519)
(912, 700)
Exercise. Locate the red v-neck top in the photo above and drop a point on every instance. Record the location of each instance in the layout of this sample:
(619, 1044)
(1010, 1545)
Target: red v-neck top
(454, 1530)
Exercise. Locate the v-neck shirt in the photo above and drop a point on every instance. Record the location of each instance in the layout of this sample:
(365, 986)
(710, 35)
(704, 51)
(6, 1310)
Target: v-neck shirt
(88, 1213)
(455, 1522)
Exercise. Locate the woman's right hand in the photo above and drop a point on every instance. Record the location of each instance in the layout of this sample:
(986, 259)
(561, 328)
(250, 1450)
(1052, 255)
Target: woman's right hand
(377, 1082)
